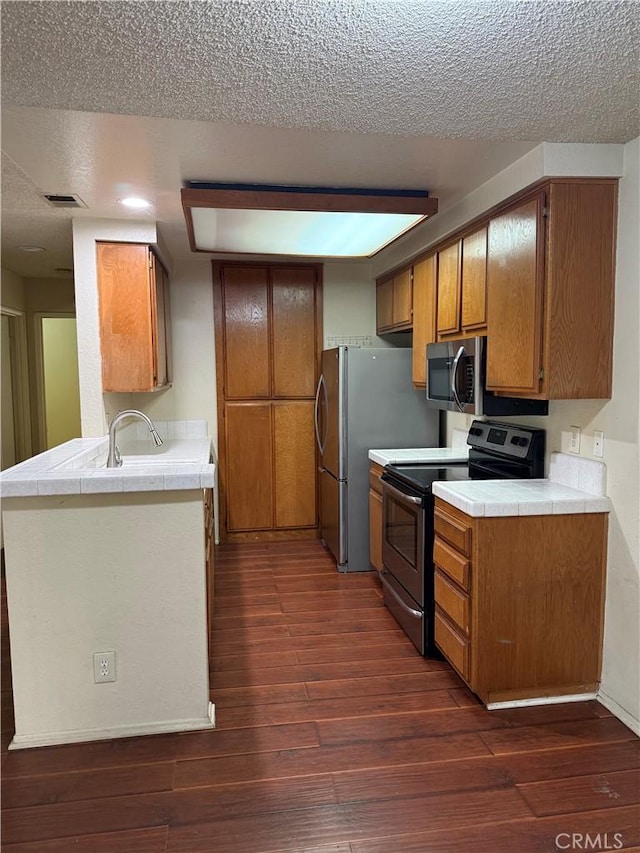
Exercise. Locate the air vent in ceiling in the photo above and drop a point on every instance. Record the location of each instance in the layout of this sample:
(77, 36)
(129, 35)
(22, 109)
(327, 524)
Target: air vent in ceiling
(56, 200)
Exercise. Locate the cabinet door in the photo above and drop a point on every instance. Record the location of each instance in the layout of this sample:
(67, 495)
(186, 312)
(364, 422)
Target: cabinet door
(448, 318)
(384, 305)
(375, 530)
(126, 344)
(249, 485)
(424, 316)
(515, 270)
(402, 298)
(293, 321)
(474, 282)
(246, 332)
(295, 464)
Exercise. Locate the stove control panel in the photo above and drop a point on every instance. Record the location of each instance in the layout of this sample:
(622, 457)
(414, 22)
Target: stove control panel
(510, 440)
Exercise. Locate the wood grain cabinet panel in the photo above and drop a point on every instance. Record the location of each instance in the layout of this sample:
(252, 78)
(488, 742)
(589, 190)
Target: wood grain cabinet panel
(424, 316)
(474, 283)
(294, 332)
(294, 464)
(133, 307)
(384, 305)
(375, 516)
(394, 302)
(246, 333)
(249, 474)
(402, 298)
(515, 282)
(449, 271)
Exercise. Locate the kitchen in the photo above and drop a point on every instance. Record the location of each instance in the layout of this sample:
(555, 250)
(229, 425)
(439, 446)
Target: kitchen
(349, 311)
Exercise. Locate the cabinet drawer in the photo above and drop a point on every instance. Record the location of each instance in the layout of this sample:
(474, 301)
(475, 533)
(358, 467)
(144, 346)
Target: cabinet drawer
(454, 602)
(454, 564)
(454, 530)
(454, 647)
(375, 471)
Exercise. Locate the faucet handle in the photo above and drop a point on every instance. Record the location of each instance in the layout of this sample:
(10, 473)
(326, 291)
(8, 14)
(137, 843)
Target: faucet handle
(117, 456)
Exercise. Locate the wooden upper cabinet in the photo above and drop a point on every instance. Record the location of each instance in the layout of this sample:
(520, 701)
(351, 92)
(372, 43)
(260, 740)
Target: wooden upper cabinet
(384, 305)
(449, 278)
(474, 283)
(515, 271)
(402, 298)
(394, 302)
(424, 316)
(246, 332)
(462, 294)
(550, 292)
(293, 332)
(133, 296)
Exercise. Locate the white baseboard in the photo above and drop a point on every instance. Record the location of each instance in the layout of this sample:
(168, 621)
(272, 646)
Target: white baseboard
(542, 700)
(80, 736)
(621, 713)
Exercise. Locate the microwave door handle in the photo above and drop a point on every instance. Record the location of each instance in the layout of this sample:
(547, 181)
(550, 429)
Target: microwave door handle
(454, 379)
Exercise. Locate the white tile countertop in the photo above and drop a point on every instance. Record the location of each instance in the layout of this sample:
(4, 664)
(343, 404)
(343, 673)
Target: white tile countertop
(419, 455)
(554, 496)
(78, 466)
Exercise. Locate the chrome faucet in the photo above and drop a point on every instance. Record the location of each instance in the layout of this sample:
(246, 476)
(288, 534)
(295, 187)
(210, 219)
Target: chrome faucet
(114, 460)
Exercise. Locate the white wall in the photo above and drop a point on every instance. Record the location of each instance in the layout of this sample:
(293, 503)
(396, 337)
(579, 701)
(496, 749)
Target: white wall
(349, 305)
(618, 418)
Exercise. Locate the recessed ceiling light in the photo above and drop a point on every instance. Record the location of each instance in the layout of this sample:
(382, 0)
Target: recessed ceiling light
(135, 203)
(31, 248)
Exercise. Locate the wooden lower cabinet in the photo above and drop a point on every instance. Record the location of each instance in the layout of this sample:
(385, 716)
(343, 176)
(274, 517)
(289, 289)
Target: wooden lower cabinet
(519, 611)
(375, 516)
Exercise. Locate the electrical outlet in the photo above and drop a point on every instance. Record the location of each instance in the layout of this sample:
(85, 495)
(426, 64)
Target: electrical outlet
(104, 667)
(574, 439)
(598, 443)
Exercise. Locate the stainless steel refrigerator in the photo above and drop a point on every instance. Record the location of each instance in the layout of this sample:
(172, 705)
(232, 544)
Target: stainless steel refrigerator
(364, 400)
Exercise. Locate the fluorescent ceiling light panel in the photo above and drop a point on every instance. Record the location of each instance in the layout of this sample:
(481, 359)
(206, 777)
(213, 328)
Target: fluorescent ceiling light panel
(296, 232)
(299, 221)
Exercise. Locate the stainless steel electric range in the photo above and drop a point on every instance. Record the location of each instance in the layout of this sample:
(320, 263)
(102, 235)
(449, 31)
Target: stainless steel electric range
(498, 451)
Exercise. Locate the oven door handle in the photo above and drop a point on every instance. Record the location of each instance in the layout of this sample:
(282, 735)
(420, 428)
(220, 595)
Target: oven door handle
(401, 495)
(415, 613)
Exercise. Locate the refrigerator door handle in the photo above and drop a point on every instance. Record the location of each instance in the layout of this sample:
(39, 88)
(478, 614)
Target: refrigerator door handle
(316, 425)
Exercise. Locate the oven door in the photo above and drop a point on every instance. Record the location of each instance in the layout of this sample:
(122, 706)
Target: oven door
(403, 519)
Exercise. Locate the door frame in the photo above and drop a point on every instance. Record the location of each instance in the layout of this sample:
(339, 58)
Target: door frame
(221, 467)
(20, 382)
(38, 317)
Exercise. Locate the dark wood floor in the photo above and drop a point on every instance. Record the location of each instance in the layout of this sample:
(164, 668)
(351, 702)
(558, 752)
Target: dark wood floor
(333, 736)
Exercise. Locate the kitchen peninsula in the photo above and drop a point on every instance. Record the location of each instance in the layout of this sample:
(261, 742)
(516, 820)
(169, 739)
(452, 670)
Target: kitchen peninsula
(110, 560)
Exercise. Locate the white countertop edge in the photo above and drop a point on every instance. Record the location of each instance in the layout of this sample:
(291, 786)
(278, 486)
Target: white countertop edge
(418, 455)
(548, 499)
(41, 476)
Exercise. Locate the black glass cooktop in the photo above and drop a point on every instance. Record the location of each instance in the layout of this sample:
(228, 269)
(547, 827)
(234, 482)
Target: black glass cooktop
(421, 477)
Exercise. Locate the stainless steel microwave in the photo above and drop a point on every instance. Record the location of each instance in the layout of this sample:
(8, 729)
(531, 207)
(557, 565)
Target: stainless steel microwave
(456, 381)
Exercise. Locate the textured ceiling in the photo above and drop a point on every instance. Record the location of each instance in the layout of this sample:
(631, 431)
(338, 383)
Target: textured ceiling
(558, 71)
(107, 98)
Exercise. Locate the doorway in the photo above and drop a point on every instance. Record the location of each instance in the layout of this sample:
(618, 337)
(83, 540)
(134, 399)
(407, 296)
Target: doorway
(15, 428)
(268, 332)
(58, 382)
